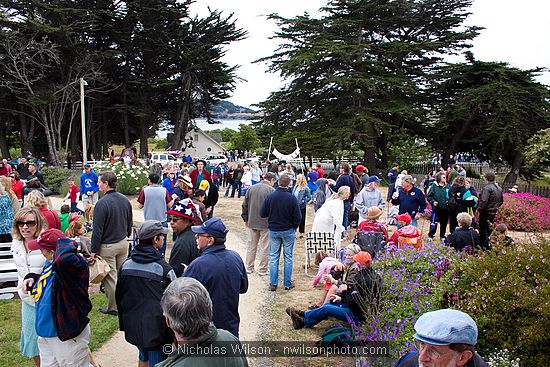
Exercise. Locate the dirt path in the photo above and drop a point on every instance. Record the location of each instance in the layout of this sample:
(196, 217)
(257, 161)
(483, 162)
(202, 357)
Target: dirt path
(119, 353)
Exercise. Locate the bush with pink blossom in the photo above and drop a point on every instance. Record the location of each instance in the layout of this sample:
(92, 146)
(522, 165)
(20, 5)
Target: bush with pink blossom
(525, 212)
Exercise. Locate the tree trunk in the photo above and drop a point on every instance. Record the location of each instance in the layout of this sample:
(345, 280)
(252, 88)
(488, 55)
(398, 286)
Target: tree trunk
(125, 119)
(4, 149)
(27, 133)
(143, 147)
(513, 175)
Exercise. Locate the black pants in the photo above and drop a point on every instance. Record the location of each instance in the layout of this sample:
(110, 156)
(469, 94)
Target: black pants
(302, 226)
(452, 220)
(486, 220)
(442, 220)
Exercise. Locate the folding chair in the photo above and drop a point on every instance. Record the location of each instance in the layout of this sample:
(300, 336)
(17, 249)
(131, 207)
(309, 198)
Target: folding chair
(318, 241)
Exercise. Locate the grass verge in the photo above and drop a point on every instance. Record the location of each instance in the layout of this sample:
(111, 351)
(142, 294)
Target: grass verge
(102, 326)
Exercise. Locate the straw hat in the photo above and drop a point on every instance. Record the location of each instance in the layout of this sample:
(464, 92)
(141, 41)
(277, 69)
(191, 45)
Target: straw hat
(374, 212)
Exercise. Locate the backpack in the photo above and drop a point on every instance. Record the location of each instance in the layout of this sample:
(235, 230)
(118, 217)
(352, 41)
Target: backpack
(337, 336)
(415, 242)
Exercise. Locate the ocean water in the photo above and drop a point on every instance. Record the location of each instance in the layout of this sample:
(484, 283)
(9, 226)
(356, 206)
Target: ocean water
(203, 125)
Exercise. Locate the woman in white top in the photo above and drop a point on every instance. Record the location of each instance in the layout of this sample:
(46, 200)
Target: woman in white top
(27, 225)
(247, 178)
(329, 217)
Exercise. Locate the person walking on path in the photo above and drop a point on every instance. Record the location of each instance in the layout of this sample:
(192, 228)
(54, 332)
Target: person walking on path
(89, 186)
(392, 178)
(222, 273)
(112, 224)
(141, 282)
(410, 199)
(438, 197)
(368, 197)
(258, 235)
(181, 217)
(490, 199)
(345, 179)
(283, 217)
(155, 200)
(303, 194)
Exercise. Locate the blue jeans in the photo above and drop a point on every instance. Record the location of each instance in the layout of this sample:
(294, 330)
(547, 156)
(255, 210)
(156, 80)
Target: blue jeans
(74, 209)
(347, 204)
(281, 240)
(237, 185)
(337, 310)
(152, 355)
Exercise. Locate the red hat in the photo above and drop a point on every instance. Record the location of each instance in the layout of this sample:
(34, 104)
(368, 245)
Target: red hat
(404, 218)
(363, 258)
(47, 240)
(360, 168)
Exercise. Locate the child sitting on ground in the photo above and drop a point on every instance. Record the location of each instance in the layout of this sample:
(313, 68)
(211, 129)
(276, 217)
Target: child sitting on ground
(500, 236)
(325, 263)
(406, 233)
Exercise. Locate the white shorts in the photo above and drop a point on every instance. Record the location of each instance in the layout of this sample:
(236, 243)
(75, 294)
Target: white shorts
(92, 200)
(70, 353)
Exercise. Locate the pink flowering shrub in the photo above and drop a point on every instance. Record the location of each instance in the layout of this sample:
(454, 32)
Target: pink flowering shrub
(525, 212)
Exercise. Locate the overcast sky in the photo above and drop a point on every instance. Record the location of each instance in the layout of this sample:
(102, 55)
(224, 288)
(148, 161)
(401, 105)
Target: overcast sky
(517, 32)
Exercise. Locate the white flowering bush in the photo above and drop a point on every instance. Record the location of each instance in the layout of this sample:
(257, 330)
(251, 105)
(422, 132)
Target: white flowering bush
(130, 178)
(502, 358)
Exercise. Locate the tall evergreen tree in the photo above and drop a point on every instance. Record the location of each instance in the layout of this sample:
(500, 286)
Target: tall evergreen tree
(361, 71)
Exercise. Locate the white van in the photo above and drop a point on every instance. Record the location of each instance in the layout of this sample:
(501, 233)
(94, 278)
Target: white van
(215, 159)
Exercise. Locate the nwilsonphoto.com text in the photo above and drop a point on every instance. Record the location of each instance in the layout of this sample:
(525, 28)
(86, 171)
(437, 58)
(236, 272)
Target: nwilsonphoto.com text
(278, 349)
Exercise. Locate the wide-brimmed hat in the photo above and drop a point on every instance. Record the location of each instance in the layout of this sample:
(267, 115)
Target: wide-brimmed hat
(186, 180)
(374, 212)
(200, 160)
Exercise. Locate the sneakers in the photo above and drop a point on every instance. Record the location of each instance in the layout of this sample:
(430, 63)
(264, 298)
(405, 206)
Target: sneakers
(105, 311)
(292, 285)
(272, 288)
(297, 318)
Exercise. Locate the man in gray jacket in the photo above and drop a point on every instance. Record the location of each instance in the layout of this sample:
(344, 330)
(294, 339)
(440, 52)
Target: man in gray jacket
(111, 226)
(258, 235)
(490, 199)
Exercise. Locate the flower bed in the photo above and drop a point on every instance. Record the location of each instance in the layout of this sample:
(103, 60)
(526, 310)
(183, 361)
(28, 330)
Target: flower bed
(525, 212)
(130, 178)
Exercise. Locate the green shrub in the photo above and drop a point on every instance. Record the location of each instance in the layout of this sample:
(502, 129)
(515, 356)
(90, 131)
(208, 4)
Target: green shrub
(472, 173)
(130, 178)
(506, 291)
(56, 178)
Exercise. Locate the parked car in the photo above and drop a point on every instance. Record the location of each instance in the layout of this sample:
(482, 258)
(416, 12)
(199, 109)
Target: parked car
(215, 159)
(164, 158)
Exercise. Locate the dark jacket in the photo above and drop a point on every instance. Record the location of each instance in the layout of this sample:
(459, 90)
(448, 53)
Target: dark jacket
(411, 360)
(457, 192)
(112, 219)
(462, 237)
(412, 202)
(70, 300)
(184, 251)
(439, 194)
(213, 196)
(141, 282)
(490, 198)
(223, 274)
(281, 210)
(363, 291)
(345, 180)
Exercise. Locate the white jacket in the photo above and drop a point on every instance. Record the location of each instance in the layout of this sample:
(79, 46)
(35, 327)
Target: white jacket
(31, 262)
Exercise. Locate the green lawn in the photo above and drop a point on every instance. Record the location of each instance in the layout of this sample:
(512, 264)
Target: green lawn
(103, 326)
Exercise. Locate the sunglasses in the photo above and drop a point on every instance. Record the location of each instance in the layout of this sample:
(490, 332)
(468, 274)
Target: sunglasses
(174, 219)
(30, 223)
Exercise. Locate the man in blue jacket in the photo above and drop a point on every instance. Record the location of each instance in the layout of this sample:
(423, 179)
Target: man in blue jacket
(222, 273)
(410, 199)
(88, 186)
(283, 215)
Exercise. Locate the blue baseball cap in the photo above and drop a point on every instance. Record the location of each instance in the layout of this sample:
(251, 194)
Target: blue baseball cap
(374, 179)
(213, 227)
(444, 327)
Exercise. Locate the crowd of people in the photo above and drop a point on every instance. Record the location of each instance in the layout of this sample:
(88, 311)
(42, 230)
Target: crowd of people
(190, 294)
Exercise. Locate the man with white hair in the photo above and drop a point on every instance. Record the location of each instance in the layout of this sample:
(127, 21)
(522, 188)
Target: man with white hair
(444, 338)
(187, 309)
